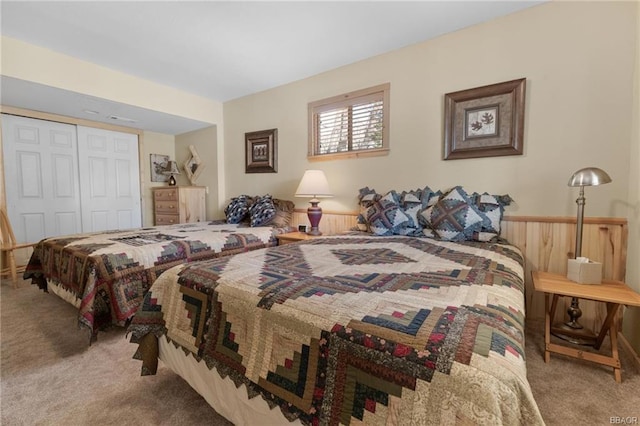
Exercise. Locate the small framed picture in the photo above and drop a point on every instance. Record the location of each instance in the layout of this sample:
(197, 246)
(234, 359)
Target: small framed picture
(302, 228)
(485, 121)
(261, 151)
(159, 165)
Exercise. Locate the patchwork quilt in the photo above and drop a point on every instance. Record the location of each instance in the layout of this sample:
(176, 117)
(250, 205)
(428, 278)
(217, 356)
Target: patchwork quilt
(356, 328)
(110, 272)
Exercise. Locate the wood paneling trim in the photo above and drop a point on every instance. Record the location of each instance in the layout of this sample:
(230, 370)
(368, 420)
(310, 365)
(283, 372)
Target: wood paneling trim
(563, 219)
(329, 212)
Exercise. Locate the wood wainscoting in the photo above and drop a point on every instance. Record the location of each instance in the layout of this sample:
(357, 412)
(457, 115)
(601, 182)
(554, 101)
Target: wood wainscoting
(546, 243)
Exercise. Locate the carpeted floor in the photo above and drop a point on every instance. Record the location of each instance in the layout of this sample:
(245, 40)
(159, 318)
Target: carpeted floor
(50, 376)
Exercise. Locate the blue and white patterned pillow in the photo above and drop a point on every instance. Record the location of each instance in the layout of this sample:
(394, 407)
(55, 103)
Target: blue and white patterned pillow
(366, 198)
(411, 204)
(454, 217)
(262, 210)
(237, 209)
(492, 208)
(385, 217)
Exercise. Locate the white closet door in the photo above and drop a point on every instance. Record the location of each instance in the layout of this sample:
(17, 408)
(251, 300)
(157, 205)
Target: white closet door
(110, 179)
(41, 177)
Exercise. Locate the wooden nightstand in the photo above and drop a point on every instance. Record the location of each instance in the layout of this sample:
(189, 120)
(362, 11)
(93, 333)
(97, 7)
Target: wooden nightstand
(613, 293)
(292, 237)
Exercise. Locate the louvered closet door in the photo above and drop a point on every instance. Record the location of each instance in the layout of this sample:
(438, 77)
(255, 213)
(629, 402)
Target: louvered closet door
(41, 177)
(110, 179)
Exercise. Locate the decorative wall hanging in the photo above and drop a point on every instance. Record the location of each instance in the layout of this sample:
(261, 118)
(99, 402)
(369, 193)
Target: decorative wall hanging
(486, 121)
(193, 166)
(261, 151)
(159, 165)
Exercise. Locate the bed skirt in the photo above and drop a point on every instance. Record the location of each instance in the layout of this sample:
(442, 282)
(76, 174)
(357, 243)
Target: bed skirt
(222, 394)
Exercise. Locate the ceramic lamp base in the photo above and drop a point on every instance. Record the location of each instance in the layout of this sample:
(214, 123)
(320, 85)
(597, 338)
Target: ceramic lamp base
(172, 181)
(314, 213)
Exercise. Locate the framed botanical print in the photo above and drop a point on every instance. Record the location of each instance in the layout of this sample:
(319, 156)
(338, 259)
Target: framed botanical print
(486, 121)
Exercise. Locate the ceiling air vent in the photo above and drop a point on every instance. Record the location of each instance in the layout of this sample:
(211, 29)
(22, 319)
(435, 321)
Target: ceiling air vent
(128, 120)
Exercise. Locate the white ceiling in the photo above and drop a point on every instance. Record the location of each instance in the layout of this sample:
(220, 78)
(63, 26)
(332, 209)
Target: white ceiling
(220, 50)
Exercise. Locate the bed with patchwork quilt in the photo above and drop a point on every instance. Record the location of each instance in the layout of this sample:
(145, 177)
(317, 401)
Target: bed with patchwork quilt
(347, 329)
(105, 275)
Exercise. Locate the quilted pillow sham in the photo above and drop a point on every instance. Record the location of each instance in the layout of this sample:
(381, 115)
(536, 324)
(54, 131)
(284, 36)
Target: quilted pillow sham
(237, 209)
(385, 217)
(284, 213)
(366, 198)
(454, 217)
(492, 208)
(262, 211)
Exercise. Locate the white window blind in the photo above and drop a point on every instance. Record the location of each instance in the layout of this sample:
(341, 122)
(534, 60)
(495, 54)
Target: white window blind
(354, 122)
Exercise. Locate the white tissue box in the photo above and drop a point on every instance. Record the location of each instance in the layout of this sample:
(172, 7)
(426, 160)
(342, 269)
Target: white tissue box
(584, 272)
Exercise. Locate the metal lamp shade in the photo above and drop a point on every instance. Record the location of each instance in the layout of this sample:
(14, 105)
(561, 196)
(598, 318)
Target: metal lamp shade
(589, 176)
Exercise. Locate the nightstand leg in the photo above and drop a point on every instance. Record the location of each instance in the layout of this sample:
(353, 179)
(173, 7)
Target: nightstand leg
(549, 313)
(612, 309)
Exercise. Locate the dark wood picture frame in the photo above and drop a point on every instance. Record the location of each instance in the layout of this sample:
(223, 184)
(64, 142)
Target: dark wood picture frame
(486, 121)
(261, 151)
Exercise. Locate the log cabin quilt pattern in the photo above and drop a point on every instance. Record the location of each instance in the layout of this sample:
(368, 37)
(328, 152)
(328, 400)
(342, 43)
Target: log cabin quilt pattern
(356, 328)
(109, 272)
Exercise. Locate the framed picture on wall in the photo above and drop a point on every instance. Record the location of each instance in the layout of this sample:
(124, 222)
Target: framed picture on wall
(159, 164)
(193, 166)
(261, 151)
(486, 121)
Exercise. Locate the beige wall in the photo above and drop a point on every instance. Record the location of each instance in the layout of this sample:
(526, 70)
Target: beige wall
(578, 58)
(577, 112)
(631, 323)
(206, 144)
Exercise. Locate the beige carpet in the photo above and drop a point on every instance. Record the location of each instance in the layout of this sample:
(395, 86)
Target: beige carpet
(49, 376)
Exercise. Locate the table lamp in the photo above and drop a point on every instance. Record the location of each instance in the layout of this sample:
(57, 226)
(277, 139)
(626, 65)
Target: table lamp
(314, 184)
(589, 176)
(172, 170)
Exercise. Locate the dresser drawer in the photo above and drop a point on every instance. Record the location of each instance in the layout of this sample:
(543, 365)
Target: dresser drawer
(167, 207)
(167, 219)
(165, 195)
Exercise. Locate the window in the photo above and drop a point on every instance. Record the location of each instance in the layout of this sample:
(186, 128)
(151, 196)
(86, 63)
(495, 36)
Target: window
(350, 125)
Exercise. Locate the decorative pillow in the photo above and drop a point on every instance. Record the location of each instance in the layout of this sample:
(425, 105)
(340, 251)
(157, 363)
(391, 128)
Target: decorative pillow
(366, 198)
(428, 199)
(262, 211)
(411, 204)
(284, 213)
(454, 217)
(237, 209)
(492, 208)
(385, 217)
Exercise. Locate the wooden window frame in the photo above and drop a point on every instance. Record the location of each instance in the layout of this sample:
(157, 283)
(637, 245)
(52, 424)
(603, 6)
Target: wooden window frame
(316, 107)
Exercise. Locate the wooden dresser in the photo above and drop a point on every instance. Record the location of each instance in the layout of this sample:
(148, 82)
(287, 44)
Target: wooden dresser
(178, 204)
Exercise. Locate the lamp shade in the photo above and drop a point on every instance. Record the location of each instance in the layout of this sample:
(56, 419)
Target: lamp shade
(172, 169)
(589, 176)
(314, 184)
